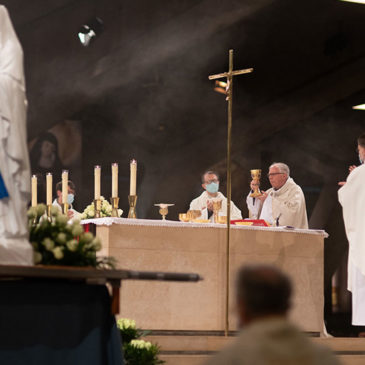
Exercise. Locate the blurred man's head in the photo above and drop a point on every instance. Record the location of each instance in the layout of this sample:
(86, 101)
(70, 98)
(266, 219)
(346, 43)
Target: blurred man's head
(262, 291)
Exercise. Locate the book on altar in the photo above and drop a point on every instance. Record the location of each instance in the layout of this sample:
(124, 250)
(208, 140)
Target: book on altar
(250, 222)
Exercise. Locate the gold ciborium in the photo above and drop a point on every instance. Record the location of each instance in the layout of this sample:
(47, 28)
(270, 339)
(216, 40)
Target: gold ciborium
(217, 206)
(256, 176)
(222, 219)
(183, 217)
(193, 214)
(164, 209)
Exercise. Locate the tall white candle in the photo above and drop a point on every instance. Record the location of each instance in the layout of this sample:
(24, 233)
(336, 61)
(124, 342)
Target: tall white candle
(133, 178)
(114, 180)
(97, 174)
(64, 186)
(34, 191)
(49, 188)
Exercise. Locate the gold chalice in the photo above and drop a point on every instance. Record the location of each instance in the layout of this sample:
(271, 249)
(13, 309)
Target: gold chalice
(164, 209)
(217, 206)
(256, 176)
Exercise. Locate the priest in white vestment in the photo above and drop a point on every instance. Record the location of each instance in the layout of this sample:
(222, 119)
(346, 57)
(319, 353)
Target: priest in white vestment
(352, 198)
(72, 213)
(254, 205)
(204, 203)
(284, 203)
(14, 160)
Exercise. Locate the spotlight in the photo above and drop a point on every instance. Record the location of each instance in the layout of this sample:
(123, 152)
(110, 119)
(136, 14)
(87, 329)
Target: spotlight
(90, 30)
(359, 107)
(220, 87)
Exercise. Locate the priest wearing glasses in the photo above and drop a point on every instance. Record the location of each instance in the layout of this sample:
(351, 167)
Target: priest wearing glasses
(284, 203)
(204, 203)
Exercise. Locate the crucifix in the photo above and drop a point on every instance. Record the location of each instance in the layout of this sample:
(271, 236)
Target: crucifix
(229, 92)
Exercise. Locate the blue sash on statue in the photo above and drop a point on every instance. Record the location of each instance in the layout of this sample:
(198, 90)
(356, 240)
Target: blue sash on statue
(3, 192)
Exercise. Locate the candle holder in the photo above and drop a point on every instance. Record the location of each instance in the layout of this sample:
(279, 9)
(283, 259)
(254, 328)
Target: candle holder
(49, 215)
(115, 203)
(217, 205)
(64, 207)
(132, 199)
(164, 209)
(97, 208)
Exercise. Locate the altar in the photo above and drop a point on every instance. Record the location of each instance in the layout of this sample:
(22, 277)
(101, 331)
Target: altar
(192, 247)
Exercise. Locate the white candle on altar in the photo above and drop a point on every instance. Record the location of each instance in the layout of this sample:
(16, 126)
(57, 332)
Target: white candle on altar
(97, 175)
(49, 188)
(133, 178)
(64, 186)
(34, 191)
(114, 180)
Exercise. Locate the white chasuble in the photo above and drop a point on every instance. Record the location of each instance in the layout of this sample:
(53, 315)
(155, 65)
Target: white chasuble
(201, 202)
(14, 160)
(287, 205)
(352, 198)
(254, 206)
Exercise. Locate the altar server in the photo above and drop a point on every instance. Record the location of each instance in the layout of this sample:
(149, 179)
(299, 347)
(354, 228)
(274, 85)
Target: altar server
(14, 160)
(210, 184)
(284, 203)
(352, 198)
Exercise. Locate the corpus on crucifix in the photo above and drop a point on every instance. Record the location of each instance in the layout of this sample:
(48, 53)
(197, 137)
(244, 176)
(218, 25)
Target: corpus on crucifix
(229, 92)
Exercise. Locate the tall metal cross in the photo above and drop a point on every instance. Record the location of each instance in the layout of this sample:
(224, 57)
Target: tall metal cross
(229, 90)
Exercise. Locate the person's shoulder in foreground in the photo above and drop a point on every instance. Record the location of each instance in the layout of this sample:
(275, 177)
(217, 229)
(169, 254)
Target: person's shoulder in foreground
(267, 336)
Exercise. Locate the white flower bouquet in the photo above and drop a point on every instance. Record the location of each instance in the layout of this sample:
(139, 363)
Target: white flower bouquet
(58, 242)
(136, 351)
(106, 210)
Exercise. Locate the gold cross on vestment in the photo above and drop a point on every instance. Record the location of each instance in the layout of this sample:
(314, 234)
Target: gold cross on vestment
(229, 92)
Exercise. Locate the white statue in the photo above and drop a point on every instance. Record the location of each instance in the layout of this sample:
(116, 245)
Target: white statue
(15, 248)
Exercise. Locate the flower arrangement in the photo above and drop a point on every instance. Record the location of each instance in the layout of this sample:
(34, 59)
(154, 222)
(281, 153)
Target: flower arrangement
(136, 351)
(106, 210)
(59, 242)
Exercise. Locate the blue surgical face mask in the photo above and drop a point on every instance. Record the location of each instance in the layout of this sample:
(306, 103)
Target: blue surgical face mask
(70, 198)
(212, 187)
(361, 160)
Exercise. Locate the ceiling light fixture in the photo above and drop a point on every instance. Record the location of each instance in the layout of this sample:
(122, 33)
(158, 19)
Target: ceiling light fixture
(355, 1)
(90, 30)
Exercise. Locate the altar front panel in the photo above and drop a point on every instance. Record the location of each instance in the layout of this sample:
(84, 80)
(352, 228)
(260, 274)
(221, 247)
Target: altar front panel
(185, 248)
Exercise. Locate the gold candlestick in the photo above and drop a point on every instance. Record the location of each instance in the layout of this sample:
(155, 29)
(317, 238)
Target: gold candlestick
(64, 207)
(49, 215)
(132, 199)
(217, 205)
(115, 203)
(256, 175)
(97, 208)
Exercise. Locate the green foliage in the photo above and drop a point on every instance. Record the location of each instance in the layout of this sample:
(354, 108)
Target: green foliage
(55, 241)
(137, 352)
